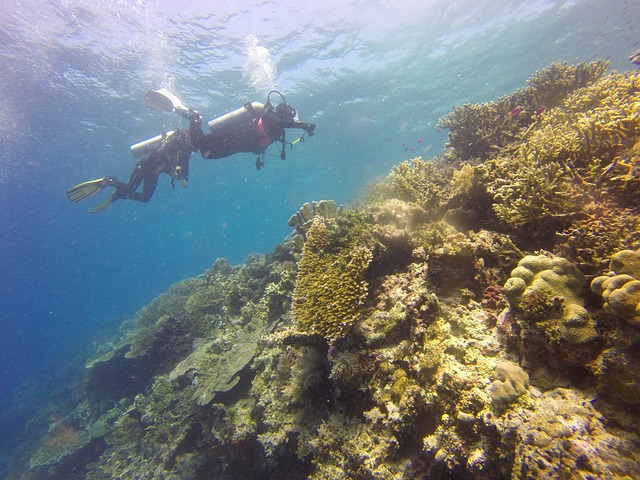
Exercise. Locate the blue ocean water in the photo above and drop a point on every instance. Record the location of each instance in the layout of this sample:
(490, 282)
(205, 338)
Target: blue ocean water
(372, 75)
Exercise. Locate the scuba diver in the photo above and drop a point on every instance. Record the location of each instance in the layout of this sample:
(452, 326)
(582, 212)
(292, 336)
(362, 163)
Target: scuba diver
(250, 128)
(171, 156)
(255, 127)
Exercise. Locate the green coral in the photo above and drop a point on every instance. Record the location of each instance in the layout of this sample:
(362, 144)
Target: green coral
(214, 367)
(171, 303)
(547, 289)
(621, 289)
(330, 287)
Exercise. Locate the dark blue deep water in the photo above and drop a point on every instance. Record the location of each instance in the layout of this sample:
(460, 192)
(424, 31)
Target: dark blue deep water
(373, 75)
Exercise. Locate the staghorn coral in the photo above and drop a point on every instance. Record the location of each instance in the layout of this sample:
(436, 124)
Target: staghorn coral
(621, 289)
(479, 131)
(330, 287)
(587, 144)
(591, 242)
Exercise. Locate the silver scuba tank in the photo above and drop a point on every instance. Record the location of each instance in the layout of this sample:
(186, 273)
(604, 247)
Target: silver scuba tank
(239, 115)
(145, 147)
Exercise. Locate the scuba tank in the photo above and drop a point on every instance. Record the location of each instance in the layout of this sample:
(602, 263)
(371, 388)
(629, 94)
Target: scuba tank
(145, 147)
(239, 115)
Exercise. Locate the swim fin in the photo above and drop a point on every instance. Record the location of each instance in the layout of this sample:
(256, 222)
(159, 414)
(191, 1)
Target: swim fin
(165, 101)
(86, 190)
(106, 204)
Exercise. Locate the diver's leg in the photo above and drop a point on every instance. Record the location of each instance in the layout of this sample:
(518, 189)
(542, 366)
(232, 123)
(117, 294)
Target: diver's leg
(128, 190)
(148, 187)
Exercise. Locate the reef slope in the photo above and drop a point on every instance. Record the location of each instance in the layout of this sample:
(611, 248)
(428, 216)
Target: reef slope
(475, 316)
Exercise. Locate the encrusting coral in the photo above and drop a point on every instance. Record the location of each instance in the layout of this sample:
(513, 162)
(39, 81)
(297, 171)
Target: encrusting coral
(440, 329)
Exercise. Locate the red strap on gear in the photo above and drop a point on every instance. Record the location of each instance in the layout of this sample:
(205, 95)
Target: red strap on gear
(264, 138)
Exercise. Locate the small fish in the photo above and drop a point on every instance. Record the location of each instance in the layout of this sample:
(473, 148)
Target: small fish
(413, 148)
(539, 111)
(635, 57)
(420, 140)
(516, 112)
(406, 149)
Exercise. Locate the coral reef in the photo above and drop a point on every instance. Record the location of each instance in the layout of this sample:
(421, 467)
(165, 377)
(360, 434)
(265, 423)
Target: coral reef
(545, 292)
(443, 328)
(511, 382)
(621, 289)
(331, 286)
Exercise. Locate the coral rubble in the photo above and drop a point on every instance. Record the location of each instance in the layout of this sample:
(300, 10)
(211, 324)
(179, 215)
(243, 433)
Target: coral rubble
(444, 328)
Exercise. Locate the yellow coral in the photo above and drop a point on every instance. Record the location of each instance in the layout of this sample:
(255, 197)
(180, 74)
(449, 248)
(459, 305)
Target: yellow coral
(587, 141)
(547, 289)
(330, 287)
(621, 289)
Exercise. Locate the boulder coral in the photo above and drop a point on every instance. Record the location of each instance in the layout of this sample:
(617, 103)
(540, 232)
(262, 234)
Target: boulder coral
(620, 290)
(511, 382)
(546, 290)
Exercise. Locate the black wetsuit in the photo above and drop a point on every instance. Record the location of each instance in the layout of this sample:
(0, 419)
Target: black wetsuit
(171, 157)
(252, 136)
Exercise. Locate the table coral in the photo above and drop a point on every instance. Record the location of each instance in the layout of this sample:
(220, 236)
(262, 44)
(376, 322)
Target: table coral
(620, 290)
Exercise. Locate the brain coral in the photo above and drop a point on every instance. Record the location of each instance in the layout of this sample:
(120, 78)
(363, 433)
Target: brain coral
(620, 290)
(547, 289)
(330, 287)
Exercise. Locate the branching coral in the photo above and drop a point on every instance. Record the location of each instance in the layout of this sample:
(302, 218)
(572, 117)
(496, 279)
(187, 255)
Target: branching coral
(330, 287)
(478, 131)
(592, 241)
(424, 182)
(586, 144)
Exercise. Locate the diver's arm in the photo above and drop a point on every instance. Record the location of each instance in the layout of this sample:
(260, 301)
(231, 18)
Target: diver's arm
(310, 128)
(196, 135)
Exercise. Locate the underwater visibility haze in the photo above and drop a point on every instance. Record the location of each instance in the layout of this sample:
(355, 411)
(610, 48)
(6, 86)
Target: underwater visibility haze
(508, 98)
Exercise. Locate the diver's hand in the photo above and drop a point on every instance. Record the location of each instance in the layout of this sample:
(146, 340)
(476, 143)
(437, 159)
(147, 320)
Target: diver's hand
(194, 116)
(184, 183)
(310, 129)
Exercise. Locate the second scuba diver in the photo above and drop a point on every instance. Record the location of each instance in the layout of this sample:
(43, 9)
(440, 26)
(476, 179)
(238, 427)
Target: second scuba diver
(251, 128)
